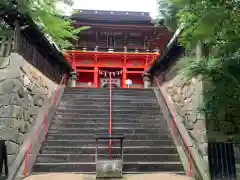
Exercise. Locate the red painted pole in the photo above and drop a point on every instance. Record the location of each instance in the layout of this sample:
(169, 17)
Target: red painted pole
(96, 77)
(25, 172)
(124, 77)
(110, 116)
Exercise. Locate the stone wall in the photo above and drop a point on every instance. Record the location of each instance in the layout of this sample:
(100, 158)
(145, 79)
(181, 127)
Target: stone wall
(23, 91)
(186, 96)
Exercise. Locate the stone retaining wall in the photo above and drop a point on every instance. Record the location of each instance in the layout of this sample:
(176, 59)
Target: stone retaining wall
(23, 91)
(186, 96)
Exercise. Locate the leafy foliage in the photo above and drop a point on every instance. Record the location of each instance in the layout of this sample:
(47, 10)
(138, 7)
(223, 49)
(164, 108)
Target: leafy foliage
(166, 14)
(215, 25)
(223, 77)
(45, 14)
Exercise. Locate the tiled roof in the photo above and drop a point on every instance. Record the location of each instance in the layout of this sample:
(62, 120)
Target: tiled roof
(112, 16)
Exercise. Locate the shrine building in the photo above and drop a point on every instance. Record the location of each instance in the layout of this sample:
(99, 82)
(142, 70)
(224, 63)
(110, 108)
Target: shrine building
(117, 43)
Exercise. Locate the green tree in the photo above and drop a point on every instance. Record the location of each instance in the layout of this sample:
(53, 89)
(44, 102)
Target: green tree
(45, 14)
(214, 24)
(167, 14)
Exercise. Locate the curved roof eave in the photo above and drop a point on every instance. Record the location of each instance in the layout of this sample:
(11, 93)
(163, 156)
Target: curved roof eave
(172, 44)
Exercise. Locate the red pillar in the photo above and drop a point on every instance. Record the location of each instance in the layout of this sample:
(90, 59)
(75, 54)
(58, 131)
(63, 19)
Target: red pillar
(124, 77)
(74, 67)
(74, 62)
(96, 74)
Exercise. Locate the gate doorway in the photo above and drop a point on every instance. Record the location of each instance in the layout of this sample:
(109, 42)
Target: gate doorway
(105, 82)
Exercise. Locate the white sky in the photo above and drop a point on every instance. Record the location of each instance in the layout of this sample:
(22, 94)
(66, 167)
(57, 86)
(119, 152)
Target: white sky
(118, 5)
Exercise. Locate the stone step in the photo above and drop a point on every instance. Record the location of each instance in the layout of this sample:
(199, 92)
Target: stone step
(101, 97)
(106, 102)
(106, 115)
(68, 89)
(126, 143)
(61, 158)
(115, 150)
(104, 111)
(117, 95)
(106, 90)
(114, 99)
(91, 167)
(97, 102)
(105, 130)
(127, 94)
(89, 174)
(114, 106)
(56, 125)
(106, 120)
(70, 144)
(149, 93)
(162, 136)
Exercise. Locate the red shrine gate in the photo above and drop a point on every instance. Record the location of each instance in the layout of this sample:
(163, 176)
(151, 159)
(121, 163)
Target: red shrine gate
(94, 68)
(119, 43)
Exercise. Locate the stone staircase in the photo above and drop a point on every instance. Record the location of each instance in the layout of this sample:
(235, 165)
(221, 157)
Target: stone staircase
(70, 143)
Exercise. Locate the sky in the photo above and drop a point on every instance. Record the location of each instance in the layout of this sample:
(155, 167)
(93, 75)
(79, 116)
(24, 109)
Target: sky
(117, 5)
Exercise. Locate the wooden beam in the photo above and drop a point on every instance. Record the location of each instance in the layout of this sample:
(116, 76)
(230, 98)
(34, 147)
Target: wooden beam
(84, 70)
(135, 72)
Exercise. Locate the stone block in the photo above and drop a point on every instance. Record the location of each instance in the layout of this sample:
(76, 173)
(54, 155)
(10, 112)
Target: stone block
(9, 74)
(200, 124)
(176, 98)
(14, 99)
(174, 90)
(190, 116)
(4, 62)
(11, 159)
(12, 86)
(202, 137)
(189, 124)
(199, 136)
(203, 149)
(179, 81)
(25, 100)
(38, 101)
(24, 127)
(200, 115)
(187, 101)
(16, 60)
(32, 119)
(33, 110)
(10, 135)
(26, 115)
(37, 91)
(188, 91)
(11, 111)
(10, 123)
(205, 162)
(12, 148)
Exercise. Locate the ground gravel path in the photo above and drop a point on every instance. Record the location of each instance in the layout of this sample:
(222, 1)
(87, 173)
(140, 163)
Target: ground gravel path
(63, 176)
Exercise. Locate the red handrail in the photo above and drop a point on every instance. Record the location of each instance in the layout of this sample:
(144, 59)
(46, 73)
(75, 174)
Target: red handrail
(110, 116)
(174, 122)
(55, 95)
